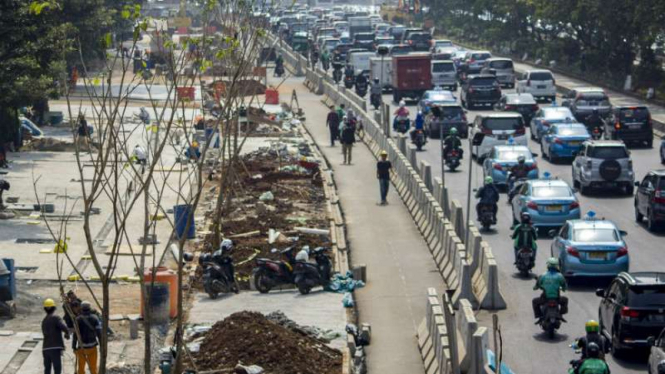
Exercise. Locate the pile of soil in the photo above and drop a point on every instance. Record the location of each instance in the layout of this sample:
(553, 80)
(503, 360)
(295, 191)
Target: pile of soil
(49, 145)
(251, 339)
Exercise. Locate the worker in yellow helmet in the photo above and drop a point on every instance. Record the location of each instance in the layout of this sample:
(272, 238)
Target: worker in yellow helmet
(53, 328)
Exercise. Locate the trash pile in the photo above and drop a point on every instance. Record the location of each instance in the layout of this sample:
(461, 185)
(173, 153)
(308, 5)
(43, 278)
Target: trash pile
(250, 339)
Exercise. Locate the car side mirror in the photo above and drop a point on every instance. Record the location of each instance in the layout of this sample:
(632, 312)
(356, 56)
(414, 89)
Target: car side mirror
(600, 292)
(623, 233)
(551, 233)
(651, 341)
(637, 184)
(478, 139)
(534, 155)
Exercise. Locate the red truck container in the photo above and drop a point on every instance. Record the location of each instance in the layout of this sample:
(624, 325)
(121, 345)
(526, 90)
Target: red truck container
(412, 75)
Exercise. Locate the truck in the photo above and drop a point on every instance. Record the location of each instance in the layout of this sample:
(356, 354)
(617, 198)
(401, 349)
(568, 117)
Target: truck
(385, 73)
(361, 62)
(359, 24)
(411, 75)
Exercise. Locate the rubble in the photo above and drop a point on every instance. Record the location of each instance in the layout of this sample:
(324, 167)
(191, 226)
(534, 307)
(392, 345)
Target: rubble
(49, 145)
(250, 338)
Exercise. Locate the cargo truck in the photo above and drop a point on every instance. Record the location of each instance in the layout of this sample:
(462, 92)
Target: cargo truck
(384, 73)
(359, 24)
(411, 75)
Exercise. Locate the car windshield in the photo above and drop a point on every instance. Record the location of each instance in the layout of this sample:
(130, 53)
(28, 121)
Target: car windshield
(593, 235)
(541, 76)
(501, 65)
(363, 37)
(420, 37)
(444, 43)
(483, 81)
(608, 153)
(645, 297)
(480, 56)
(453, 113)
(634, 114)
(400, 50)
(552, 192)
(443, 67)
(439, 97)
(510, 155)
(572, 131)
(503, 124)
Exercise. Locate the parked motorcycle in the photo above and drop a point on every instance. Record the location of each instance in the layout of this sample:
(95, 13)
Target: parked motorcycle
(419, 139)
(486, 216)
(269, 273)
(375, 100)
(452, 159)
(361, 89)
(218, 273)
(309, 275)
(525, 261)
(402, 124)
(552, 318)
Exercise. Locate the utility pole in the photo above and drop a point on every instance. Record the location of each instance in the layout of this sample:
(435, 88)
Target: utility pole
(468, 194)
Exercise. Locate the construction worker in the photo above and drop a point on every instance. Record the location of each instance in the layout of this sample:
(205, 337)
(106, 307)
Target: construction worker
(90, 328)
(193, 152)
(53, 328)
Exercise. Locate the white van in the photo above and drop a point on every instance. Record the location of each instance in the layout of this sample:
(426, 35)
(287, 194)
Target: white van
(384, 74)
(444, 74)
(360, 62)
(539, 83)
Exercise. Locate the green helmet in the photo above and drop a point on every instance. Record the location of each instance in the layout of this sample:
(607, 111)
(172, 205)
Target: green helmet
(489, 180)
(552, 263)
(453, 131)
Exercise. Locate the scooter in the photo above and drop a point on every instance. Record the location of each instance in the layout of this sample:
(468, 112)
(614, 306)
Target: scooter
(596, 132)
(486, 216)
(402, 124)
(269, 273)
(525, 261)
(552, 318)
(419, 139)
(349, 80)
(337, 75)
(218, 274)
(361, 89)
(452, 159)
(375, 100)
(308, 275)
(514, 185)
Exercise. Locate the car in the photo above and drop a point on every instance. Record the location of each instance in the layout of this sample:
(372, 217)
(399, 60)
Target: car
(501, 158)
(364, 40)
(419, 41)
(583, 105)
(497, 129)
(409, 31)
(632, 309)
(382, 30)
(444, 54)
(399, 49)
(550, 202)
(480, 90)
(650, 199)
(630, 124)
(474, 61)
(436, 97)
(329, 44)
(657, 354)
(590, 247)
(563, 140)
(523, 104)
(603, 163)
(444, 74)
(503, 68)
(342, 50)
(545, 117)
(539, 83)
(383, 40)
(444, 117)
(397, 31)
(439, 44)
(341, 26)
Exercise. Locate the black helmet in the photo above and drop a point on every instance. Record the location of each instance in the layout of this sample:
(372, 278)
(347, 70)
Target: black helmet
(592, 350)
(526, 217)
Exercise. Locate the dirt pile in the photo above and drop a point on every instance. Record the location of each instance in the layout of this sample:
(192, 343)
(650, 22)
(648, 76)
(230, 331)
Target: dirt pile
(251, 339)
(49, 145)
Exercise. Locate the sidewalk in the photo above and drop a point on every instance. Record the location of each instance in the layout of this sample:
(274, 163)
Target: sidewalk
(400, 267)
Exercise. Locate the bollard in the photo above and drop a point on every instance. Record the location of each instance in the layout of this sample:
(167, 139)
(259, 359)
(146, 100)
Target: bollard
(134, 328)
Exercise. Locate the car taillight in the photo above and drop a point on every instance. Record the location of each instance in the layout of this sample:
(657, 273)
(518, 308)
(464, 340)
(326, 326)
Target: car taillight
(486, 131)
(471, 90)
(659, 197)
(574, 205)
(535, 107)
(558, 141)
(510, 107)
(520, 131)
(573, 252)
(623, 251)
(464, 117)
(498, 167)
(649, 122)
(533, 166)
(532, 205)
(528, 83)
(471, 61)
(617, 126)
(627, 313)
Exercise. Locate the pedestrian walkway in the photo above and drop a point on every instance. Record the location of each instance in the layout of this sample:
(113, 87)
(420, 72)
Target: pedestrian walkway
(400, 267)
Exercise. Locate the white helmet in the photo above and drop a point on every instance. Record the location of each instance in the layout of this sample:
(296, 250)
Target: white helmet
(226, 245)
(402, 104)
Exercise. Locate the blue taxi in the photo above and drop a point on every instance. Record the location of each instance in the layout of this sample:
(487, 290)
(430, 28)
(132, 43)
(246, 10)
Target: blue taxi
(550, 202)
(563, 140)
(502, 158)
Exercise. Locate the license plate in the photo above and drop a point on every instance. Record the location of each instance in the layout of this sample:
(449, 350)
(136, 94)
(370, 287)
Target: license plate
(502, 137)
(541, 87)
(597, 255)
(635, 126)
(657, 318)
(553, 208)
(574, 143)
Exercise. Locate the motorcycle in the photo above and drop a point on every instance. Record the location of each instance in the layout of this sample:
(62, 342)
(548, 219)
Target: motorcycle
(308, 275)
(514, 185)
(361, 89)
(269, 273)
(401, 124)
(337, 75)
(552, 318)
(279, 71)
(486, 216)
(525, 261)
(375, 100)
(452, 159)
(349, 80)
(419, 139)
(596, 132)
(218, 274)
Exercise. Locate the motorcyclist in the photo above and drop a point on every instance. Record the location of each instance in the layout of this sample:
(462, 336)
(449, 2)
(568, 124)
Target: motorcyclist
(401, 112)
(488, 195)
(551, 283)
(361, 80)
(594, 364)
(525, 235)
(279, 65)
(348, 71)
(376, 89)
(315, 57)
(517, 172)
(595, 120)
(593, 336)
(419, 124)
(452, 142)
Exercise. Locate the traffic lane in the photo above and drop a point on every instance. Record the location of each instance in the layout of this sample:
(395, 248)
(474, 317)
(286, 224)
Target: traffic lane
(583, 302)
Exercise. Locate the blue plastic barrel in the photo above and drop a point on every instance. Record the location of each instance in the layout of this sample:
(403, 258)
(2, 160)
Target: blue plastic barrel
(181, 212)
(8, 281)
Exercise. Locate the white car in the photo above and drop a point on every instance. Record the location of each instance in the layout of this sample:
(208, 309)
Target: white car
(657, 356)
(497, 129)
(539, 83)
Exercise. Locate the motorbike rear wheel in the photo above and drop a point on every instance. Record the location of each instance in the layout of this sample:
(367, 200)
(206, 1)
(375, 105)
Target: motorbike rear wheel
(208, 287)
(551, 331)
(260, 281)
(303, 288)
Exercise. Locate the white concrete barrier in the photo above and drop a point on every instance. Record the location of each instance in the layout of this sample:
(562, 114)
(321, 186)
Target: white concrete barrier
(437, 336)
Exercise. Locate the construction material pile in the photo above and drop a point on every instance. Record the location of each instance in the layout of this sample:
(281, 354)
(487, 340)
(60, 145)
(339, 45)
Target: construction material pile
(249, 338)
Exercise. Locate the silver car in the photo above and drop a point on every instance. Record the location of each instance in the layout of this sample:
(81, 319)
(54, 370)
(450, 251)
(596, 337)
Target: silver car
(503, 69)
(603, 164)
(657, 356)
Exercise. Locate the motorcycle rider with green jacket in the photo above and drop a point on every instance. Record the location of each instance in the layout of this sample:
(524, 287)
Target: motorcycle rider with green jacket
(593, 364)
(551, 283)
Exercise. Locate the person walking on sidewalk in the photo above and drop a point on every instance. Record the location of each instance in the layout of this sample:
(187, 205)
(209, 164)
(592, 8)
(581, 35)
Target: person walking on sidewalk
(347, 140)
(383, 168)
(53, 327)
(90, 328)
(332, 121)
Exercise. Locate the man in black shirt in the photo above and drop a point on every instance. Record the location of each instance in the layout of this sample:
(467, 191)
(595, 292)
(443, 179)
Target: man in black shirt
(383, 168)
(53, 328)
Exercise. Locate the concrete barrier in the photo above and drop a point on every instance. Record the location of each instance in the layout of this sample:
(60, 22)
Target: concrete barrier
(437, 336)
(426, 174)
(485, 281)
(457, 217)
(467, 325)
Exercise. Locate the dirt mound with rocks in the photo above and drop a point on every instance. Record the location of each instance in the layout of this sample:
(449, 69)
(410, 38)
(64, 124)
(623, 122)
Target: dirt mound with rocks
(50, 145)
(252, 339)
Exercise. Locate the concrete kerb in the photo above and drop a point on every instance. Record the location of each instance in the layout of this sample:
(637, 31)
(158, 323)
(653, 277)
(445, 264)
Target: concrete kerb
(479, 347)
(451, 324)
(426, 174)
(485, 281)
(401, 141)
(412, 156)
(467, 326)
(457, 217)
(465, 288)
(473, 249)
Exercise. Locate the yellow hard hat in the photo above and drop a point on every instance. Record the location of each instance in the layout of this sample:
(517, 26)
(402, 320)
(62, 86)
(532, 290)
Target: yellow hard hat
(592, 326)
(384, 153)
(49, 303)
(195, 144)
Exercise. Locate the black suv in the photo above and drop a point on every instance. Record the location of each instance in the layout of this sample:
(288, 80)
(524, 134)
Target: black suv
(419, 41)
(632, 309)
(364, 40)
(480, 89)
(650, 199)
(630, 124)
